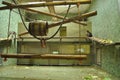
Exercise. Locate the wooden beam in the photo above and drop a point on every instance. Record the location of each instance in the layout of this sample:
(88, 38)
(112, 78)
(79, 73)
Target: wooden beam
(45, 13)
(51, 8)
(68, 37)
(86, 15)
(46, 4)
(105, 42)
(4, 39)
(101, 41)
(24, 33)
(44, 56)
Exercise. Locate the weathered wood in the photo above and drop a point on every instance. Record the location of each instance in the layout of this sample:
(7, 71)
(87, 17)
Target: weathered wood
(5, 42)
(86, 15)
(38, 28)
(106, 42)
(44, 56)
(56, 3)
(45, 13)
(51, 8)
(4, 39)
(68, 37)
(24, 33)
(101, 41)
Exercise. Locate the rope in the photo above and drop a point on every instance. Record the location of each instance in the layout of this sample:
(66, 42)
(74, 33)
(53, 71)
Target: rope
(79, 28)
(9, 21)
(36, 36)
(61, 23)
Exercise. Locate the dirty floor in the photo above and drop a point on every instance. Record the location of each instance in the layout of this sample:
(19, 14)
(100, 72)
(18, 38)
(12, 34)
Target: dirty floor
(53, 73)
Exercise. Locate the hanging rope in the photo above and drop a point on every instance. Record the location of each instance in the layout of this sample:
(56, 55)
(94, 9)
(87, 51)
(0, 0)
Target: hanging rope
(61, 23)
(9, 21)
(42, 37)
(78, 6)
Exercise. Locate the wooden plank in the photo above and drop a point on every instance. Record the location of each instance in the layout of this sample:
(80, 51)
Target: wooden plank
(43, 56)
(56, 3)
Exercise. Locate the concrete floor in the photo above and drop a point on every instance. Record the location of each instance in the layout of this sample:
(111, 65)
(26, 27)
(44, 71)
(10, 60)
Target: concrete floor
(53, 73)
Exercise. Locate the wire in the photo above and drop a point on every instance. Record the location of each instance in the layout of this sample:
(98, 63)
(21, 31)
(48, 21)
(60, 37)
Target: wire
(36, 36)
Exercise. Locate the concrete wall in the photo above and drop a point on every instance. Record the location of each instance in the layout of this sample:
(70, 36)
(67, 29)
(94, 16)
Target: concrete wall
(106, 25)
(4, 14)
(110, 59)
(67, 48)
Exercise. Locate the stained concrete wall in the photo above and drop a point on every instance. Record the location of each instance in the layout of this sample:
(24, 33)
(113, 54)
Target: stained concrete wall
(106, 25)
(111, 59)
(4, 14)
(67, 48)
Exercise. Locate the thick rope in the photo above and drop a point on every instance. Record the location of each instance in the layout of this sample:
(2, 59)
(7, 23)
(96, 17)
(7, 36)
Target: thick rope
(9, 21)
(36, 36)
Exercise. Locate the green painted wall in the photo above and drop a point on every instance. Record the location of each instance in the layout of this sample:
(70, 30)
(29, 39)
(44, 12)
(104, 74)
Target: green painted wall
(111, 59)
(4, 14)
(106, 25)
